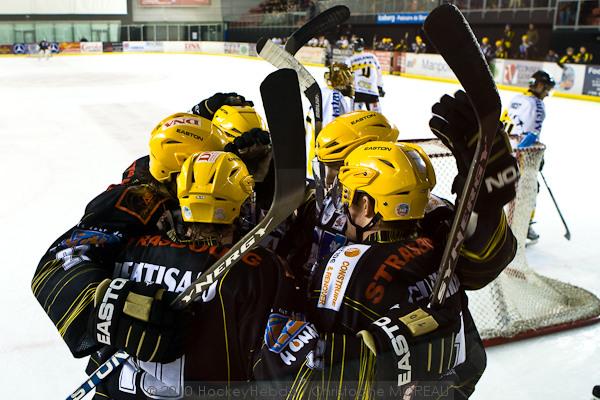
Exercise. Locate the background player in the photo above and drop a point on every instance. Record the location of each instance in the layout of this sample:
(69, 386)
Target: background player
(368, 79)
(44, 49)
(526, 113)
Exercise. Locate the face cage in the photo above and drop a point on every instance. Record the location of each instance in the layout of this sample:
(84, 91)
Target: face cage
(334, 192)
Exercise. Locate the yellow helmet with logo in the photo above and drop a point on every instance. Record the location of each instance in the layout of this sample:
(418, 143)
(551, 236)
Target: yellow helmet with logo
(398, 176)
(212, 187)
(348, 131)
(177, 137)
(232, 121)
(340, 77)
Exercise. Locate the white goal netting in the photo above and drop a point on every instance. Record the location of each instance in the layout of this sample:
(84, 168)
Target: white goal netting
(520, 302)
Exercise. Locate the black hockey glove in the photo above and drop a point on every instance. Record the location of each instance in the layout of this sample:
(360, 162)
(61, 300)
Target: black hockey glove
(137, 317)
(208, 107)
(381, 91)
(455, 124)
(254, 148)
(414, 342)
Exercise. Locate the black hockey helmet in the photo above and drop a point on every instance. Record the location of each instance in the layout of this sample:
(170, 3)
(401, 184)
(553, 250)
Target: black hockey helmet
(541, 77)
(358, 44)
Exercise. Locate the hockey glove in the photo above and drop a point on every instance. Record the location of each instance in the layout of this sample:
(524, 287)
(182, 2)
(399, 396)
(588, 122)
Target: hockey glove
(254, 148)
(414, 342)
(455, 124)
(137, 317)
(381, 91)
(529, 140)
(208, 107)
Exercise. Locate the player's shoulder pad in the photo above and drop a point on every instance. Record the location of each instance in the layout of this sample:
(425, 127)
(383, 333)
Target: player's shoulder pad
(141, 201)
(138, 172)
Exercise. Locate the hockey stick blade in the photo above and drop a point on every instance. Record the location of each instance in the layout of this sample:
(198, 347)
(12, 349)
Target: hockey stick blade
(279, 58)
(567, 231)
(319, 25)
(452, 36)
(283, 106)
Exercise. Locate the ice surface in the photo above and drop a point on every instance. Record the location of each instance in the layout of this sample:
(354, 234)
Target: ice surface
(69, 127)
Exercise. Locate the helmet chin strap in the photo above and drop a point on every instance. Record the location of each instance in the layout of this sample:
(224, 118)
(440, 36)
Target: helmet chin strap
(360, 230)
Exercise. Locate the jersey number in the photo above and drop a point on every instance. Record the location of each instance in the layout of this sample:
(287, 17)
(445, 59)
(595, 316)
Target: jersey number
(366, 72)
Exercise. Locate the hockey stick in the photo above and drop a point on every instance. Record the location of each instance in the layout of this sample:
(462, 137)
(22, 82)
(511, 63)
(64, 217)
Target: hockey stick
(452, 36)
(568, 232)
(279, 58)
(320, 24)
(282, 103)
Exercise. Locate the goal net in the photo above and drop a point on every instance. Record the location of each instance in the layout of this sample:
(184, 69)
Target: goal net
(520, 302)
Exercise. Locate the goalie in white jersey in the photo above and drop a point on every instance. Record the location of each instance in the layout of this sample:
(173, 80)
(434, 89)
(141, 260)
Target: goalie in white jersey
(527, 111)
(368, 80)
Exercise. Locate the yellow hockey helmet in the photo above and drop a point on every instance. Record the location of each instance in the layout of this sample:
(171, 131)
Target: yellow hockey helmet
(340, 77)
(398, 176)
(232, 121)
(177, 137)
(212, 187)
(348, 131)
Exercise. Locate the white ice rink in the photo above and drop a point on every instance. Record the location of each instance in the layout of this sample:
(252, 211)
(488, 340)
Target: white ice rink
(69, 127)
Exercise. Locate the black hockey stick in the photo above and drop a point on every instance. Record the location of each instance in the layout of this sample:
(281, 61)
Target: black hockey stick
(567, 231)
(452, 36)
(279, 58)
(320, 24)
(283, 107)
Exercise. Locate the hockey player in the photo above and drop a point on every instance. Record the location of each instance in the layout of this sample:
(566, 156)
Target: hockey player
(378, 288)
(368, 80)
(138, 283)
(527, 111)
(338, 96)
(526, 114)
(44, 51)
(337, 99)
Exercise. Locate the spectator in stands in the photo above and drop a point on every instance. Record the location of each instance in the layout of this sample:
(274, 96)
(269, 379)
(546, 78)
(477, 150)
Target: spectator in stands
(551, 56)
(515, 4)
(524, 48)
(500, 50)
(342, 42)
(583, 57)
(418, 45)
(487, 50)
(534, 38)
(386, 44)
(508, 37)
(569, 58)
(323, 42)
